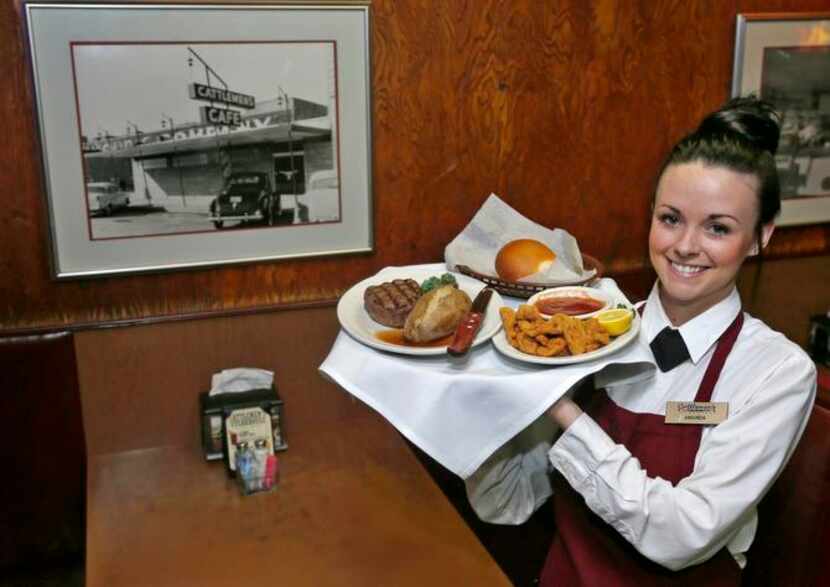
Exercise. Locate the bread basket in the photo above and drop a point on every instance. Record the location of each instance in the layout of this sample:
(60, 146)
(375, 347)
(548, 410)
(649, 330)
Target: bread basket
(519, 289)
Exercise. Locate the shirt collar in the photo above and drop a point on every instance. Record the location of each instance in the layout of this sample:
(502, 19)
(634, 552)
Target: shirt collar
(699, 333)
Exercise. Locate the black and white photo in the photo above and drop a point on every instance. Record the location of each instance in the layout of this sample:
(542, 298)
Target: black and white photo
(212, 145)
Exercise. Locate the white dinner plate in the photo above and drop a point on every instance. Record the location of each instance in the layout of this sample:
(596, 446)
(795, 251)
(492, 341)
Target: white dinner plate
(504, 347)
(356, 321)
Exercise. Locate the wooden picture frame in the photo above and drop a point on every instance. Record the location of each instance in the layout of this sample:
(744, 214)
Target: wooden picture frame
(179, 136)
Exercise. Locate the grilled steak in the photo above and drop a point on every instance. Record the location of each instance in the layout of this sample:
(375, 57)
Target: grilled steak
(390, 302)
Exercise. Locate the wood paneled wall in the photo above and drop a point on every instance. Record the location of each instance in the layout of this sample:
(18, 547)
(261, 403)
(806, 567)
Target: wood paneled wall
(140, 385)
(562, 107)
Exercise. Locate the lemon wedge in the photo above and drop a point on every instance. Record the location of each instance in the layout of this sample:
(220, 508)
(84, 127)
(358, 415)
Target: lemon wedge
(616, 322)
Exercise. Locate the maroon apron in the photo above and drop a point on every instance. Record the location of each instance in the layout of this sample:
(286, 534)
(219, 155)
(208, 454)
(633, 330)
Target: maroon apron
(587, 550)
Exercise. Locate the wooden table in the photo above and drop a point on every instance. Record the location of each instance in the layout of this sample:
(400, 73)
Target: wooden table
(353, 507)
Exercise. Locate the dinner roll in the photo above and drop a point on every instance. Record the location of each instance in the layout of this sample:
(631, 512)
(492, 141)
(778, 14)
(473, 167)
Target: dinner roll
(522, 257)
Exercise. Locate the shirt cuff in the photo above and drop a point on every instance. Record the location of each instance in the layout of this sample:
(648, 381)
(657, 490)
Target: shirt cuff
(580, 450)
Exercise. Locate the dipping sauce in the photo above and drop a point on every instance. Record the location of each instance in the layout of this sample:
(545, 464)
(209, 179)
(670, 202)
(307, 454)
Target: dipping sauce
(568, 305)
(396, 337)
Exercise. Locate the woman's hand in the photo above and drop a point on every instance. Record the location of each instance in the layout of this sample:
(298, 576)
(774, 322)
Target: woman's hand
(564, 412)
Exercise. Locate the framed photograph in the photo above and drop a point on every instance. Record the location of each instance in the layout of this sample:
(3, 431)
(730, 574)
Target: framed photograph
(785, 59)
(179, 136)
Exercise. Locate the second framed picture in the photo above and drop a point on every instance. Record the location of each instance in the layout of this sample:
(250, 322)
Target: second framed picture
(193, 135)
(785, 59)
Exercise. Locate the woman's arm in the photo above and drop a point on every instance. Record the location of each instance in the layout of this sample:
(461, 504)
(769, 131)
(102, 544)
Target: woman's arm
(564, 412)
(737, 462)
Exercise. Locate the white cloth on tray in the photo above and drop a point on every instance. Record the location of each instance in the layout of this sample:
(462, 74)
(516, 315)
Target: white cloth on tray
(460, 412)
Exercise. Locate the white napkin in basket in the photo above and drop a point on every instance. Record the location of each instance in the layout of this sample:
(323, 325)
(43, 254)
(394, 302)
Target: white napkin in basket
(494, 225)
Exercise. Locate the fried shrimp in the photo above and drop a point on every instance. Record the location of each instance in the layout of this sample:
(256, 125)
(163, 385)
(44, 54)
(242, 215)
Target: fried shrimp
(526, 344)
(597, 332)
(528, 312)
(576, 337)
(508, 321)
(561, 335)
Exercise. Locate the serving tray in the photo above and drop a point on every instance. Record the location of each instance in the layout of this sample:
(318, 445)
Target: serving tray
(524, 290)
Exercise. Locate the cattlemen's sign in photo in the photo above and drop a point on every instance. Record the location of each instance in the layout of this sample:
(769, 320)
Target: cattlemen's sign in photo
(211, 94)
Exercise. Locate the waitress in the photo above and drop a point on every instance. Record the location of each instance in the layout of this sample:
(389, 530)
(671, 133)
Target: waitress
(639, 501)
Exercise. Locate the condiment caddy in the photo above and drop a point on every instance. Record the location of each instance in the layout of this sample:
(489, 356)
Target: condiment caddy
(245, 429)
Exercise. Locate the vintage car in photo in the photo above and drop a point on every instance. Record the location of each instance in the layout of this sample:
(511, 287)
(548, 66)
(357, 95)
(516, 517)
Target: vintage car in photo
(247, 196)
(106, 197)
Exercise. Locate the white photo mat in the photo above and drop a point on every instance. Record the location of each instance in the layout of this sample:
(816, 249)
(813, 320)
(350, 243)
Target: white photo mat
(52, 28)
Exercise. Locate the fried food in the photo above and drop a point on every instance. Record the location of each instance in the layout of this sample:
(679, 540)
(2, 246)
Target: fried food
(553, 347)
(576, 337)
(508, 320)
(526, 344)
(528, 312)
(561, 335)
(597, 331)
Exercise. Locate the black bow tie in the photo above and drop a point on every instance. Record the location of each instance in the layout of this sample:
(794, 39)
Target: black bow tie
(669, 349)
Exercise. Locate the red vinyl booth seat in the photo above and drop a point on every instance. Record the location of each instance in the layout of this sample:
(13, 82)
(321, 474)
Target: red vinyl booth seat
(43, 493)
(791, 544)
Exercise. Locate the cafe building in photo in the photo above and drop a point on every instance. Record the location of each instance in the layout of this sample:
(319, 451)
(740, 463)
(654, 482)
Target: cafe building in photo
(185, 164)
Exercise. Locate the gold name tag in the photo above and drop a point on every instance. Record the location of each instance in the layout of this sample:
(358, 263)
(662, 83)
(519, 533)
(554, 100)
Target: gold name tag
(696, 412)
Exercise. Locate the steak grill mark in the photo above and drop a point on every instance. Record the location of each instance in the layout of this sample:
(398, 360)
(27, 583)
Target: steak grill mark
(391, 302)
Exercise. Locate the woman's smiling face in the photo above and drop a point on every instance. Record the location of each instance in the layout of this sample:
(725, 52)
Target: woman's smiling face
(702, 229)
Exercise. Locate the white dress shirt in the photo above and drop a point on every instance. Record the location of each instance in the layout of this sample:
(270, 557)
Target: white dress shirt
(769, 384)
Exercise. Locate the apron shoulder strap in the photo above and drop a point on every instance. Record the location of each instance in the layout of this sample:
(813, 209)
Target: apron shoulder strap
(725, 344)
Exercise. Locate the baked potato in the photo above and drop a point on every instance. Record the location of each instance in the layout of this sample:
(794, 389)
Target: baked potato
(436, 314)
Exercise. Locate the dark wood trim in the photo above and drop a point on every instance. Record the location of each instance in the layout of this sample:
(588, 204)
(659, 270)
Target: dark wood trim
(160, 319)
(634, 282)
